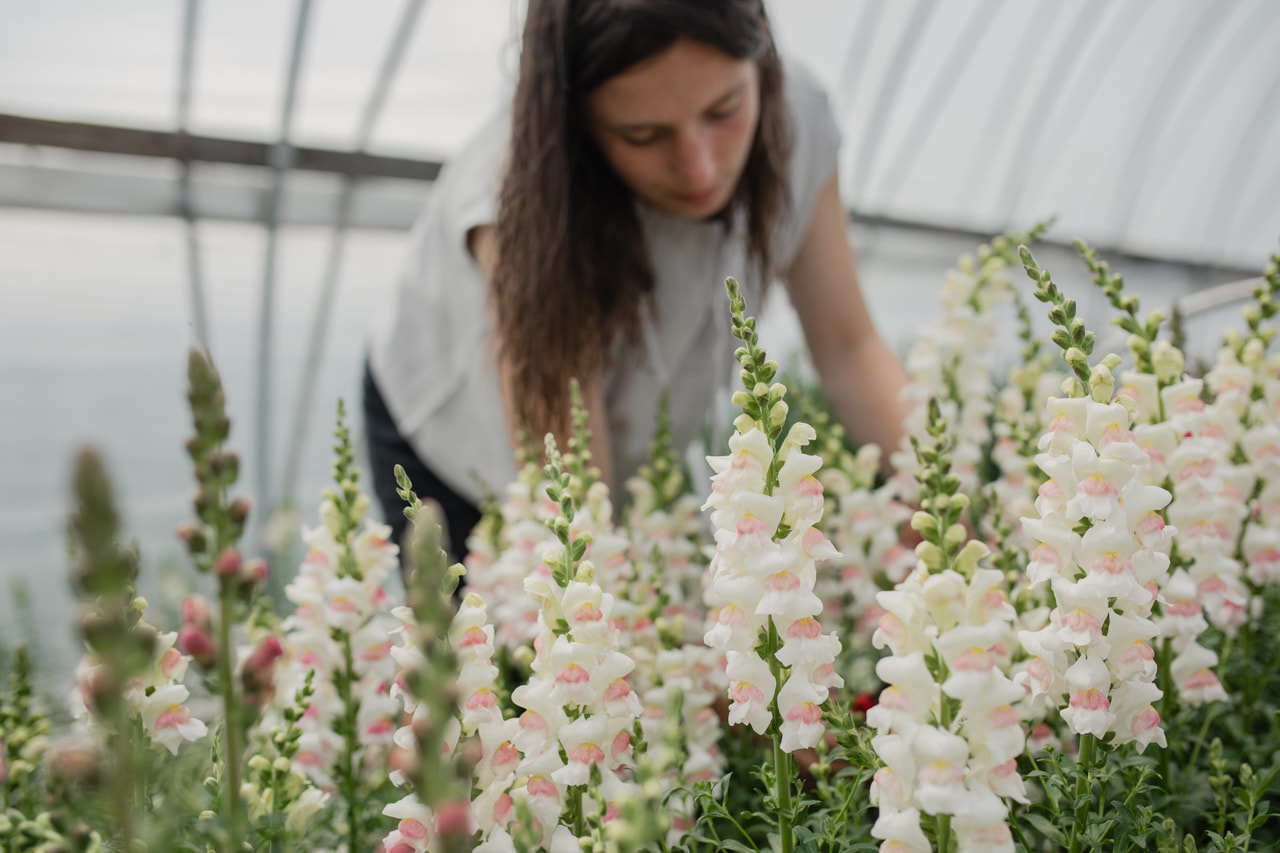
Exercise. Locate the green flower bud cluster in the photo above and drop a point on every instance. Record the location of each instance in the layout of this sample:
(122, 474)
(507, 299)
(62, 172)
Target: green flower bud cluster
(346, 498)
(112, 622)
(112, 626)
(1142, 334)
(219, 522)
(762, 402)
(272, 785)
(24, 730)
(1075, 341)
(1250, 349)
(431, 588)
(48, 832)
(577, 461)
(559, 490)
(939, 521)
(664, 471)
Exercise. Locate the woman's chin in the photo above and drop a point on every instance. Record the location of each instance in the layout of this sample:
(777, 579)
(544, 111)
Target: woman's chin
(697, 207)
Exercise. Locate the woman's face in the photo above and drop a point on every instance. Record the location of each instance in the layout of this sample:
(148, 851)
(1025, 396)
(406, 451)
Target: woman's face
(677, 128)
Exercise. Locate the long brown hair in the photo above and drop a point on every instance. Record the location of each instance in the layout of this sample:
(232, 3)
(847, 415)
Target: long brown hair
(572, 267)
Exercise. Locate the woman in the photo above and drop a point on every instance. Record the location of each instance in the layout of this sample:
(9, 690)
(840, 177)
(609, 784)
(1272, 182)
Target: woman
(653, 147)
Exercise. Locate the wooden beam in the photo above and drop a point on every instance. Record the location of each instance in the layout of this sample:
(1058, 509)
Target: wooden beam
(110, 139)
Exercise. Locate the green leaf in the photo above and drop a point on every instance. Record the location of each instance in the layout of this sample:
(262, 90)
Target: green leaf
(1046, 828)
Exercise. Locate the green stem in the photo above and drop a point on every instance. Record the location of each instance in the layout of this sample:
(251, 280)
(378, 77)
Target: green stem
(231, 715)
(1168, 703)
(350, 779)
(944, 833)
(1209, 716)
(782, 773)
(781, 760)
(122, 793)
(1084, 772)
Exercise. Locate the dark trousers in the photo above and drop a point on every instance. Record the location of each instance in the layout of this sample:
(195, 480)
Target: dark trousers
(388, 448)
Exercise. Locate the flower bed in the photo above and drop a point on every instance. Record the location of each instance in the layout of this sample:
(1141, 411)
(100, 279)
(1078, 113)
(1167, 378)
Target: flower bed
(1077, 653)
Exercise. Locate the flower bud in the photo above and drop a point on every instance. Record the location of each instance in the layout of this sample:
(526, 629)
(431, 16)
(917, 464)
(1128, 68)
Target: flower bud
(778, 414)
(453, 818)
(1255, 352)
(192, 535)
(228, 563)
(1167, 360)
(930, 555)
(195, 641)
(238, 511)
(203, 503)
(923, 522)
(195, 609)
(255, 571)
(955, 536)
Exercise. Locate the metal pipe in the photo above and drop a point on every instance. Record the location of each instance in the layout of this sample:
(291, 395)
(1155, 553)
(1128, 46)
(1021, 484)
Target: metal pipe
(135, 142)
(281, 160)
(337, 246)
(195, 280)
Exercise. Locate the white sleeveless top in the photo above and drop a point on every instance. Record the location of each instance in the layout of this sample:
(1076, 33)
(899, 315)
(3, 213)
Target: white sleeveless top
(431, 352)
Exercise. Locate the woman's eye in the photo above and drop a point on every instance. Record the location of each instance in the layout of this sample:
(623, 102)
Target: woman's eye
(724, 112)
(639, 140)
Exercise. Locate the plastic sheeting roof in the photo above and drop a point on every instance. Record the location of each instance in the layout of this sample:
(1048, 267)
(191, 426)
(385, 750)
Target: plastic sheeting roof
(1152, 127)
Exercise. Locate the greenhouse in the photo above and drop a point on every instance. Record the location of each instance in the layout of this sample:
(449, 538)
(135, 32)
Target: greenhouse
(1043, 619)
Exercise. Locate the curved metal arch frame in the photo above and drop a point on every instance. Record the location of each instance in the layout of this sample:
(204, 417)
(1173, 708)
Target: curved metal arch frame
(404, 29)
(1160, 107)
(195, 277)
(1010, 92)
(856, 57)
(282, 155)
(925, 119)
(1248, 150)
(904, 53)
(1071, 103)
(1070, 55)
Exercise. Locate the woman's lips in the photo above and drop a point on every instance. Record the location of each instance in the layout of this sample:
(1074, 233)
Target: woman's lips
(698, 198)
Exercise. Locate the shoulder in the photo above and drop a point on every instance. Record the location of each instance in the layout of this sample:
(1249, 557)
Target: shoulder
(815, 145)
(466, 192)
(805, 96)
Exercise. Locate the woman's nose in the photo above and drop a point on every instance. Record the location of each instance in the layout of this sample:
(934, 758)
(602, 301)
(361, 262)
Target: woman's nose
(695, 160)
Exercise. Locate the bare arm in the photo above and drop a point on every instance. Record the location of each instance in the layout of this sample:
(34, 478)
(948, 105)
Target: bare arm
(483, 245)
(860, 374)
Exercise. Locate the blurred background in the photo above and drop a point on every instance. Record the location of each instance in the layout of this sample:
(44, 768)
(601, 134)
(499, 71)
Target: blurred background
(241, 174)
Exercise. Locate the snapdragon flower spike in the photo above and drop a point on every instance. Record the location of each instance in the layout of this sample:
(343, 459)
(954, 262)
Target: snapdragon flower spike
(948, 743)
(952, 361)
(579, 704)
(765, 501)
(1093, 658)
